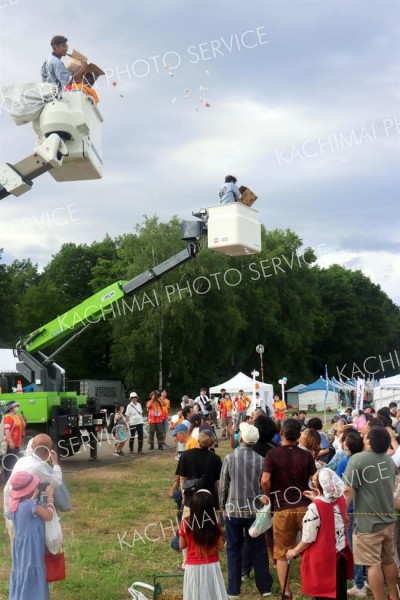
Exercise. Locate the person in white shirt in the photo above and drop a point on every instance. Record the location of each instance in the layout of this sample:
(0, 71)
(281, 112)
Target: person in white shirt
(203, 401)
(43, 462)
(134, 416)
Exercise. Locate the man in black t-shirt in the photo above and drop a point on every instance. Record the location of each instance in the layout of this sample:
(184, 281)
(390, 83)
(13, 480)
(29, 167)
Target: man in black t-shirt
(199, 462)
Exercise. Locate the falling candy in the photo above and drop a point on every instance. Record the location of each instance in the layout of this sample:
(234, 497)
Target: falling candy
(207, 72)
(114, 83)
(121, 96)
(173, 100)
(167, 66)
(171, 74)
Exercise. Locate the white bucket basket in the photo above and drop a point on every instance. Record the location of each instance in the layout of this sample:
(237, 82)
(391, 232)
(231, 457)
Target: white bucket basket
(234, 229)
(76, 115)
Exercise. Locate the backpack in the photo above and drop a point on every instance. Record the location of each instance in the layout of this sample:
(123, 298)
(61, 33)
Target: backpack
(111, 423)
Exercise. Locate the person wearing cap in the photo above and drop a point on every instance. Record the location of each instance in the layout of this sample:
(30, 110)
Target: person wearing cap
(240, 497)
(229, 192)
(14, 431)
(28, 574)
(134, 416)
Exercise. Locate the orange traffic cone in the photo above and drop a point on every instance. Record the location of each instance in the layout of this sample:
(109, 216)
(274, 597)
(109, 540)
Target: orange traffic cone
(19, 387)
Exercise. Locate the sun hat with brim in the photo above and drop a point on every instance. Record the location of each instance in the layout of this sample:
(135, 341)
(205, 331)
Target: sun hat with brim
(133, 395)
(10, 405)
(181, 428)
(21, 484)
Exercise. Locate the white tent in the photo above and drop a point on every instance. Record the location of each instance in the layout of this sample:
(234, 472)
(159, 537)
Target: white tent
(8, 362)
(388, 391)
(245, 383)
(391, 383)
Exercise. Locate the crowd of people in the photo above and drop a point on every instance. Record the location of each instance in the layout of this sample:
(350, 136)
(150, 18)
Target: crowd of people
(332, 495)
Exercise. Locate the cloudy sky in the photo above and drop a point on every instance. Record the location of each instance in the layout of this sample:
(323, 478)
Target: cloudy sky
(304, 110)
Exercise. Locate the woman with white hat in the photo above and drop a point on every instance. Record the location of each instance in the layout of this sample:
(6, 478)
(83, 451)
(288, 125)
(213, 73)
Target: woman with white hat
(324, 544)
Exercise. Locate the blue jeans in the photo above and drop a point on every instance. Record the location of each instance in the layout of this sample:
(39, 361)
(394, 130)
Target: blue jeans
(237, 530)
(359, 576)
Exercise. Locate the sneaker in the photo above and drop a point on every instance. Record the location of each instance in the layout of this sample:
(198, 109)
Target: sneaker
(245, 577)
(151, 447)
(164, 445)
(357, 592)
(233, 597)
(160, 447)
(265, 594)
(116, 454)
(121, 453)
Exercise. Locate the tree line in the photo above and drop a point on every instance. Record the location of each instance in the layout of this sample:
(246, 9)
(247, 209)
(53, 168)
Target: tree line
(201, 323)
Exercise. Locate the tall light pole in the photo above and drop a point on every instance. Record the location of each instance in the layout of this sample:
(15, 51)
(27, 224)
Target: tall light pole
(260, 350)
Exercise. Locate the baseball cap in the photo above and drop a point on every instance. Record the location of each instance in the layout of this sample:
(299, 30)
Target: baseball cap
(206, 428)
(181, 428)
(197, 417)
(133, 395)
(206, 438)
(249, 433)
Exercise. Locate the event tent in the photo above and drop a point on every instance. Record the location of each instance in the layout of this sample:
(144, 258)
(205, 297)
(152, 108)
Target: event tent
(388, 391)
(314, 394)
(242, 382)
(8, 362)
(292, 395)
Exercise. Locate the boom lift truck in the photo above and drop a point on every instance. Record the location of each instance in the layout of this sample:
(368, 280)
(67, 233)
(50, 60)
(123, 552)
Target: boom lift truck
(69, 148)
(70, 419)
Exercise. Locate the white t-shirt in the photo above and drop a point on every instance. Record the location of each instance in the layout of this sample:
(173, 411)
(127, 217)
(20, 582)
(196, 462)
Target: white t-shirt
(134, 414)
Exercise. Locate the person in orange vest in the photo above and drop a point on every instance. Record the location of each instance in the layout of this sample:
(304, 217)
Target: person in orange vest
(241, 403)
(14, 431)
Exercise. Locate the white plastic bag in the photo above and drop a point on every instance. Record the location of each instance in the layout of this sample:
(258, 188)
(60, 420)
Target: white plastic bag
(53, 534)
(262, 523)
(25, 102)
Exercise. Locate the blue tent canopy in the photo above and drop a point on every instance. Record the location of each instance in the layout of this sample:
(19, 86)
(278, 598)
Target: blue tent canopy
(320, 384)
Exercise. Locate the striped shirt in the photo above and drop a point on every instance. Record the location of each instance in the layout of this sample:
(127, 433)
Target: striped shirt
(240, 488)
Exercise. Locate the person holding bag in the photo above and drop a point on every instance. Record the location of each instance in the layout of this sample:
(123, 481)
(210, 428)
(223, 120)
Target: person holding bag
(28, 575)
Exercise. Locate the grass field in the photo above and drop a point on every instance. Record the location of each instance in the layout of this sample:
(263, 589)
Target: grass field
(103, 560)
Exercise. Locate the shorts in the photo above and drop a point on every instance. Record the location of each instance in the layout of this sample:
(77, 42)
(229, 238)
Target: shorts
(374, 548)
(165, 425)
(286, 525)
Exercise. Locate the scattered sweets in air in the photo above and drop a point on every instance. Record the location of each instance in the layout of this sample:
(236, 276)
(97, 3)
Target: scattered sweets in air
(167, 66)
(196, 108)
(207, 72)
(171, 74)
(173, 100)
(114, 83)
(121, 95)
